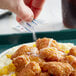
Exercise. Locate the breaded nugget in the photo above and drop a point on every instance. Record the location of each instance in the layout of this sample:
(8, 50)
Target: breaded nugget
(20, 62)
(71, 60)
(42, 43)
(34, 51)
(57, 68)
(22, 50)
(47, 42)
(36, 59)
(55, 44)
(73, 73)
(31, 69)
(51, 54)
(44, 74)
(73, 51)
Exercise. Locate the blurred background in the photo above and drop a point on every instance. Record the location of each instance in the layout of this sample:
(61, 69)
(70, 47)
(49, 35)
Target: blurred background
(50, 19)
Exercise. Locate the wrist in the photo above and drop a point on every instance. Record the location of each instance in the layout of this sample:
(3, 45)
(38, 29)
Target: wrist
(4, 4)
(8, 4)
(12, 5)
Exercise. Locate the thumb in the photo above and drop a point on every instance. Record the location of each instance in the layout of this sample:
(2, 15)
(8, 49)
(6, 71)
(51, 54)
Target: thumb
(23, 11)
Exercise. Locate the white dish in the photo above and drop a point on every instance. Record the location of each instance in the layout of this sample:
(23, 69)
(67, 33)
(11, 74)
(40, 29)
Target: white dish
(4, 61)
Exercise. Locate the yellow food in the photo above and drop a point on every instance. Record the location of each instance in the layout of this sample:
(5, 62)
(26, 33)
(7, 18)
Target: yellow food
(4, 70)
(34, 45)
(7, 69)
(8, 55)
(13, 74)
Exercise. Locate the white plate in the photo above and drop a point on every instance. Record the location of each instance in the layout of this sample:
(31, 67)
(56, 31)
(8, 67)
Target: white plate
(8, 51)
(4, 60)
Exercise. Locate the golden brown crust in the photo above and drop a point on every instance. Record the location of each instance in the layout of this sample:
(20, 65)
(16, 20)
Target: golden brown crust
(20, 62)
(51, 54)
(71, 60)
(30, 69)
(73, 51)
(73, 73)
(55, 44)
(42, 43)
(44, 74)
(57, 68)
(36, 59)
(47, 42)
(21, 51)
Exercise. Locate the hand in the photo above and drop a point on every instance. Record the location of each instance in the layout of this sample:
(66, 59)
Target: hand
(26, 10)
(35, 6)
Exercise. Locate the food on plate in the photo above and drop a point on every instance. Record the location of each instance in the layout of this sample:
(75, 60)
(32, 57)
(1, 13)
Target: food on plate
(57, 68)
(36, 59)
(20, 62)
(73, 73)
(47, 42)
(73, 51)
(45, 57)
(24, 50)
(51, 54)
(71, 60)
(44, 74)
(21, 51)
(31, 69)
(42, 43)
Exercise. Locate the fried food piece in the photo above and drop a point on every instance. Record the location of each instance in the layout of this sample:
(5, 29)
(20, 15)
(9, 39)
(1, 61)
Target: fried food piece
(73, 73)
(71, 60)
(34, 51)
(51, 54)
(73, 51)
(36, 59)
(42, 43)
(22, 50)
(47, 42)
(20, 62)
(31, 69)
(57, 68)
(43, 74)
(55, 44)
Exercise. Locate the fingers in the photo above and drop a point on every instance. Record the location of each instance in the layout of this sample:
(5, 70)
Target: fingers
(18, 19)
(28, 2)
(36, 12)
(24, 12)
(37, 7)
(38, 3)
(35, 3)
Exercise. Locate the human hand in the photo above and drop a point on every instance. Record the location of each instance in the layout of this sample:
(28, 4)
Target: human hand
(35, 6)
(26, 10)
